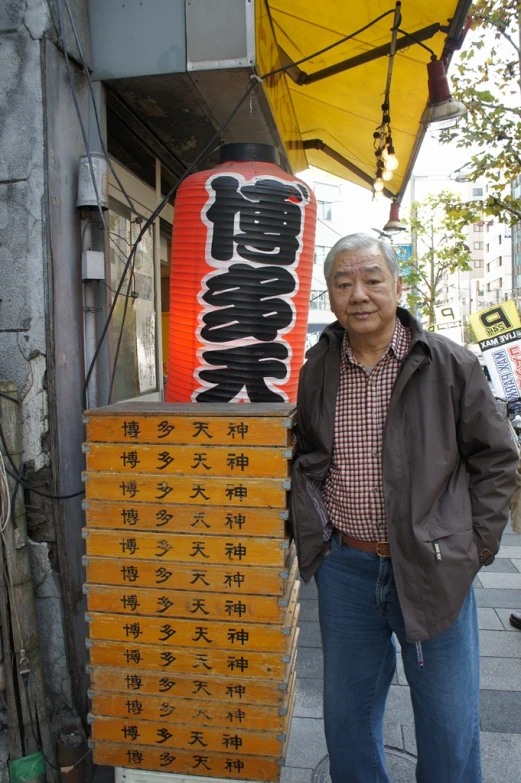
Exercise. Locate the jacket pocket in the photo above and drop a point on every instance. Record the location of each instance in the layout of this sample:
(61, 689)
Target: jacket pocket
(450, 541)
(440, 528)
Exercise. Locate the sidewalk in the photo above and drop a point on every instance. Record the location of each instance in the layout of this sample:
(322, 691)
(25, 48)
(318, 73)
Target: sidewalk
(498, 592)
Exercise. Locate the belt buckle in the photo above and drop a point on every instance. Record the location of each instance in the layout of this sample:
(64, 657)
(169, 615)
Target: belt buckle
(378, 543)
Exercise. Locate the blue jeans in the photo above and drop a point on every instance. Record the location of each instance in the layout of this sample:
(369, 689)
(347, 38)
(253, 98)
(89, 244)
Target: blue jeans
(359, 611)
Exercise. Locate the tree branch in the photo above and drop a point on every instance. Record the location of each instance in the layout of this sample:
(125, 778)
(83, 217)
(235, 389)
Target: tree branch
(488, 20)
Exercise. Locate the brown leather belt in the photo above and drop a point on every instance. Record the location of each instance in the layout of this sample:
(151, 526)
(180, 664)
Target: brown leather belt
(380, 548)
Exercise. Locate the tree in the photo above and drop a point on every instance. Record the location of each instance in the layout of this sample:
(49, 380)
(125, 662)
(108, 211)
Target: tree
(440, 250)
(487, 79)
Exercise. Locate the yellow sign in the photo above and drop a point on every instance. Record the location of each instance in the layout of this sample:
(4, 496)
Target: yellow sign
(495, 320)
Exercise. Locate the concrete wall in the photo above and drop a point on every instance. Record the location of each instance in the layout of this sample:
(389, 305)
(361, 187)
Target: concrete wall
(40, 339)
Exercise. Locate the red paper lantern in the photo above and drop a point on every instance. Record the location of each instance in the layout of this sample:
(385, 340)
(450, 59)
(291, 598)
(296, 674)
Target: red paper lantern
(242, 260)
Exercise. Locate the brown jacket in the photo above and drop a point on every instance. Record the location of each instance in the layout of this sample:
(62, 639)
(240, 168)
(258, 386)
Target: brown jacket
(515, 512)
(448, 471)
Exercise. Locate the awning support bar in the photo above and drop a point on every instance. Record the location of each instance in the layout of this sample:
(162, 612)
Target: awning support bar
(318, 144)
(303, 79)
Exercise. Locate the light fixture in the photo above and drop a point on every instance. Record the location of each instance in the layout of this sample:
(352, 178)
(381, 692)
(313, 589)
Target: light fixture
(393, 225)
(391, 161)
(442, 111)
(386, 160)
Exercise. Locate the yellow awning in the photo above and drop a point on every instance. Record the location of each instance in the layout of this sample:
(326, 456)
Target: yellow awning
(343, 110)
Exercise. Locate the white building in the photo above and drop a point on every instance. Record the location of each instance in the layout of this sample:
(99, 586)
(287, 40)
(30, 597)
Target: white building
(342, 208)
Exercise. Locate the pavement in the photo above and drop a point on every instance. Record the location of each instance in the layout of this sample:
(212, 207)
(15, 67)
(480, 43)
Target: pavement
(498, 592)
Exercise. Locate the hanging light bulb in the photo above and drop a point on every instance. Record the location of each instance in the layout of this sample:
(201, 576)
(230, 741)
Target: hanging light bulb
(391, 161)
(377, 195)
(378, 184)
(387, 175)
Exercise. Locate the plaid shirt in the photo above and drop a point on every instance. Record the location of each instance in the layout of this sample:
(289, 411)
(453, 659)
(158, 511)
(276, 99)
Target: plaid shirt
(353, 490)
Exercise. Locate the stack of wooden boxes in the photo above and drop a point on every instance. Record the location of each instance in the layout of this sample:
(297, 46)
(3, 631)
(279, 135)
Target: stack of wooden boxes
(191, 588)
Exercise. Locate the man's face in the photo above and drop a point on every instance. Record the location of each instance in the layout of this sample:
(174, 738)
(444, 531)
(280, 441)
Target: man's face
(363, 292)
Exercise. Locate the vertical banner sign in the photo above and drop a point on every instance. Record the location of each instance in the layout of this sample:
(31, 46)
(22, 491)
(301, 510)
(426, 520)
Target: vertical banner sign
(242, 255)
(498, 330)
(448, 322)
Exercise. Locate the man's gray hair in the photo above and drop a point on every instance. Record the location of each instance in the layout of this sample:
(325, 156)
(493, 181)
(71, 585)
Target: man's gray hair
(362, 241)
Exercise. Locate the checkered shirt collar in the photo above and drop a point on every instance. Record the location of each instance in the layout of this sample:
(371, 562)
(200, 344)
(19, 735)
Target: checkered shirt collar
(398, 347)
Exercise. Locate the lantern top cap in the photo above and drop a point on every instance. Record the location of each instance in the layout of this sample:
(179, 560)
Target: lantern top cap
(246, 151)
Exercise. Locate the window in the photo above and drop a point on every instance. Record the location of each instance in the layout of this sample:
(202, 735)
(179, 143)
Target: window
(478, 227)
(321, 252)
(477, 192)
(324, 210)
(500, 240)
(319, 300)
(478, 264)
(478, 245)
(500, 261)
(488, 267)
(487, 248)
(136, 367)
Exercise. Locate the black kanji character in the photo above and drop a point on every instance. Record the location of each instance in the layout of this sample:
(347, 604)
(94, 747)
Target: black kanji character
(133, 629)
(164, 488)
(162, 575)
(133, 656)
(234, 579)
(130, 516)
(130, 573)
(166, 684)
(199, 492)
(201, 634)
(166, 758)
(198, 548)
(237, 429)
(201, 428)
(165, 458)
(130, 732)
(167, 657)
(202, 660)
(163, 735)
(248, 366)
(199, 517)
(238, 635)
(129, 488)
(134, 682)
(168, 632)
(247, 302)
(199, 576)
(130, 458)
(200, 461)
(129, 545)
(197, 739)
(130, 602)
(163, 518)
(164, 428)
(269, 219)
(235, 551)
(131, 429)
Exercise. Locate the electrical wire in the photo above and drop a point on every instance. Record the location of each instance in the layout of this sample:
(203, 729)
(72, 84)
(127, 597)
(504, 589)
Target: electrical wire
(24, 484)
(5, 496)
(77, 107)
(96, 114)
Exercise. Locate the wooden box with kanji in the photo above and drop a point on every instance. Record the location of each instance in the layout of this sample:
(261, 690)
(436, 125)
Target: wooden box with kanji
(192, 588)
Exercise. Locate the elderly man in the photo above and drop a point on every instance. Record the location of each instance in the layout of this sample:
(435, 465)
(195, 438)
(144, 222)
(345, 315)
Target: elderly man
(400, 493)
